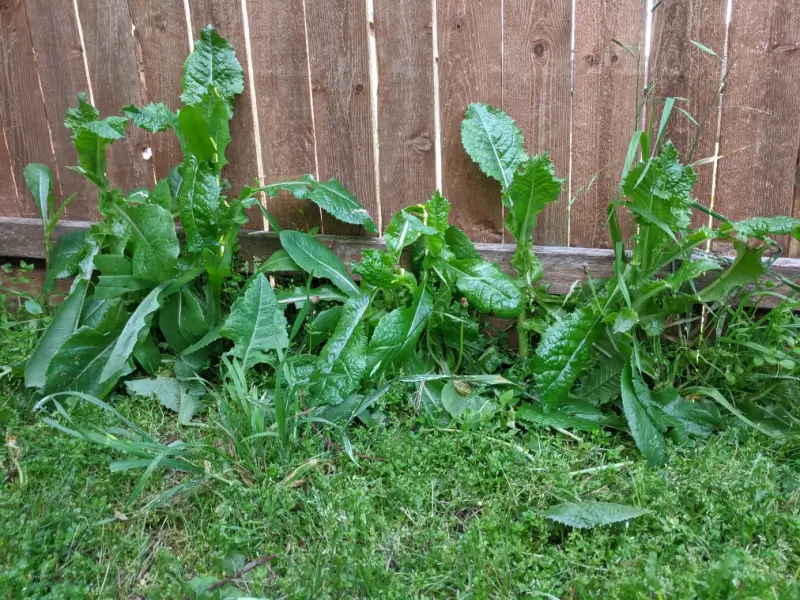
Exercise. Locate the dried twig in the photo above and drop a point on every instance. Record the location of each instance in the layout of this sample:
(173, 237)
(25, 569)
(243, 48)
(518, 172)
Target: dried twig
(248, 567)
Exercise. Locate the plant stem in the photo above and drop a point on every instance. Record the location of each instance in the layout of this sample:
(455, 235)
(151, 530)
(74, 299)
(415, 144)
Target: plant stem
(522, 334)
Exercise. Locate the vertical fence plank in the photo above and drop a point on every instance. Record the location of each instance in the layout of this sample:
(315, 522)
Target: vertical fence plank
(59, 61)
(469, 71)
(227, 18)
(406, 128)
(604, 110)
(9, 200)
(160, 32)
(536, 93)
(114, 72)
(794, 245)
(761, 111)
(24, 121)
(679, 69)
(283, 101)
(338, 50)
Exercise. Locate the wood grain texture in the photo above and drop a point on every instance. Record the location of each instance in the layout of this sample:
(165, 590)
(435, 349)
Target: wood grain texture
(536, 93)
(604, 111)
(679, 69)
(469, 35)
(162, 45)
(794, 245)
(406, 128)
(562, 266)
(24, 120)
(62, 75)
(9, 199)
(113, 69)
(760, 131)
(283, 100)
(338, 53)
(227, 18)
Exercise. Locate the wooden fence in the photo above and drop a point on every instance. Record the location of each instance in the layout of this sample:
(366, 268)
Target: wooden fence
(373, 91)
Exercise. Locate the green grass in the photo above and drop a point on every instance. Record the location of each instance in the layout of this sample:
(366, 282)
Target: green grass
(445, 514)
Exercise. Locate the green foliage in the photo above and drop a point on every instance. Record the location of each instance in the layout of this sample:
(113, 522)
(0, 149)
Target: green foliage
(585, 515)
(494, 141)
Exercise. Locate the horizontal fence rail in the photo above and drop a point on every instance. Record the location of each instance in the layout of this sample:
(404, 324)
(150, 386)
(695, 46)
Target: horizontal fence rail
(373, 92)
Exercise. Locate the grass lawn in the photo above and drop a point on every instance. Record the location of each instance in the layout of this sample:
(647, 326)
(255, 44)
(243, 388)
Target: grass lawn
(444, 514)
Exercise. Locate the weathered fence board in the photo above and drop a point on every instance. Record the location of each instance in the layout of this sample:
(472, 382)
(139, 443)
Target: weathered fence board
(111, 59)
(536, 93)
(62, 75)
(404, 40)
(331, 93)
(163, 43)
(470, 57)
(760, 131)
(242, 167)
(21, 107)
(606, 80)
(679, 69)
(283, 102)
(338, 48)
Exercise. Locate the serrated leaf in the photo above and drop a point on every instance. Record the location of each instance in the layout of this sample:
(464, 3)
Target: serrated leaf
(333, 383)
(167, 390)
(39, 180)
(317, 260)
(584, 515)
(648, 438)
(332, 197)
(182, 320)
(379, 270)
(199, 203)
(471, 405)
(138, 325)
(460, 245)
(487, 287)
(206, 136)
(91, 136)
(562, 354)
(211, 67)
(534, 186)
(438, 212)
(156, 247)
(493, 140)
(690, 270)
(64, 324)
(746, 269)
(761, 227)
(256, 323)
(153, 117)
(403, 230)
(279, 261)
(65, 258)
(351, 316)
(601, 384)
(397, 333)
(625, 320)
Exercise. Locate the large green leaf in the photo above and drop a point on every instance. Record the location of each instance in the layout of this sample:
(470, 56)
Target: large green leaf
(532, 189)
(746, 269)
(761, 227)
(156, 248)
(601, 384)
(460, 245)
(206, 136)
(493, 140)
(404, 229)
(211, 67)
(256, 323)
(397, 333)
(64, 324)
(487, 287)
(167, 390)
(562, 354)
(351, 316)
(65, 258)
(470, 406)
(138, 325)
(584, 515)
(39, 180)
(199, 201)
(635, 399)
(153, 117)
(331, 196)
(317, 260)
(91, 136)
(182, 320)
(333, 383)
